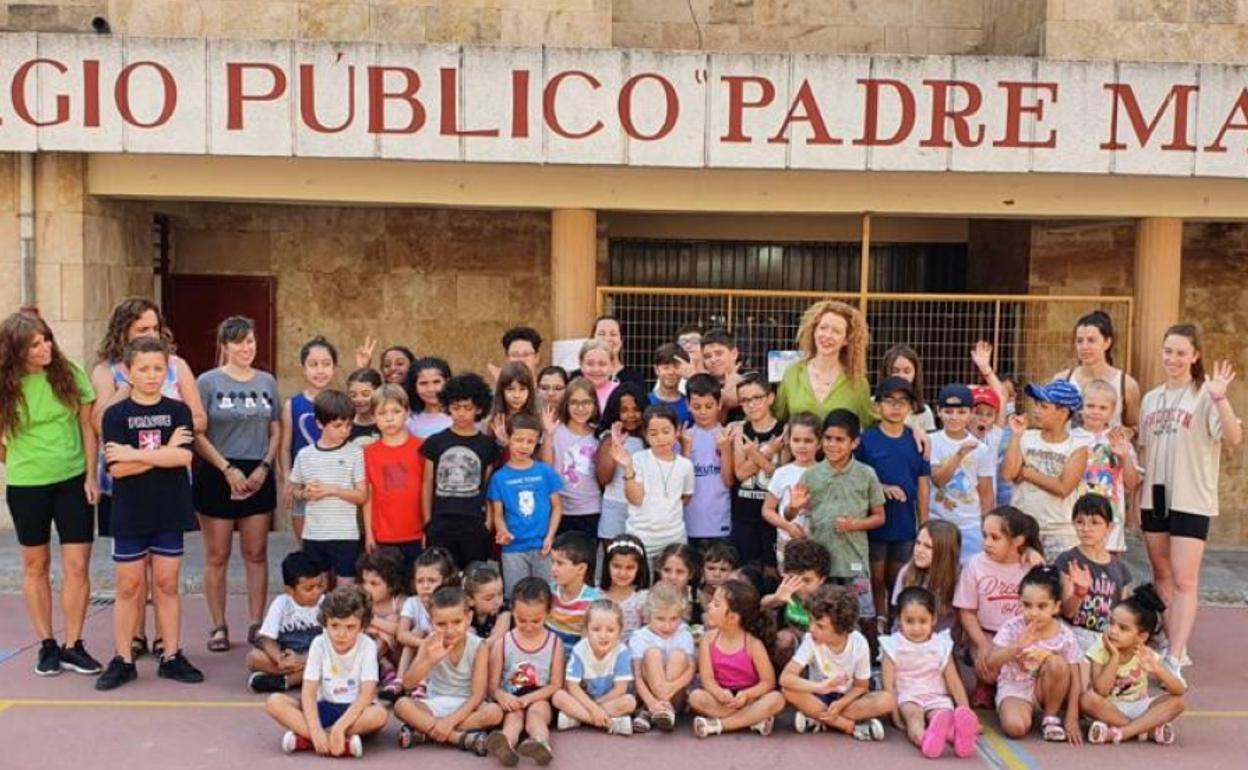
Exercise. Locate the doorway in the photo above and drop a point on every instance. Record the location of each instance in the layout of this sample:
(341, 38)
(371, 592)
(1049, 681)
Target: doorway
(195, 304)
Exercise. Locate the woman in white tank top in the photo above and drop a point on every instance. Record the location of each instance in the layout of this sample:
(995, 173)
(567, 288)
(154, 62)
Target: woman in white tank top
(1094, 346)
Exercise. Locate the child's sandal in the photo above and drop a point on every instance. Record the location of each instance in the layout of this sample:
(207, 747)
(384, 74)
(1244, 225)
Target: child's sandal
(473, 742)
(1051, 729)
(1098, 733)
(1163, 734)
(219, 639)
(641, 722)
(409, 737)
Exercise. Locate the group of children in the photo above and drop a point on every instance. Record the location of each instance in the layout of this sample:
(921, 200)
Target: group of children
(786, 558)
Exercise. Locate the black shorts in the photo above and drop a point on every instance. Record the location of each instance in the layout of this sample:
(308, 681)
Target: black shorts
(410, 550)
(35, 509)
(586, 524)
(898, 551)
(464, 536)
(212, 494)
(1161, 519)
(336, 556)
(755, 541)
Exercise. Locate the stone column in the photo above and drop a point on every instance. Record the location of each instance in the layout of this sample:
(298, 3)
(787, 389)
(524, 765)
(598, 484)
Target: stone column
(1158, 298)
(573, 271)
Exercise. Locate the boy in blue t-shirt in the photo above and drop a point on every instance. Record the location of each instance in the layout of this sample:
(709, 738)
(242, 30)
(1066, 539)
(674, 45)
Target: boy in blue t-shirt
(669, 361)
(890, 449)
(525, 510)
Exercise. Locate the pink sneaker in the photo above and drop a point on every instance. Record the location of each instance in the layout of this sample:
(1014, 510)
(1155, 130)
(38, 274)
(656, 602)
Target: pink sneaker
(937, 734)
(965, 731)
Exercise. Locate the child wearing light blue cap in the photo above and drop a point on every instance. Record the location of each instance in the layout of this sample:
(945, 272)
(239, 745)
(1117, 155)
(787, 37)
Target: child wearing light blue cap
(1047, 463)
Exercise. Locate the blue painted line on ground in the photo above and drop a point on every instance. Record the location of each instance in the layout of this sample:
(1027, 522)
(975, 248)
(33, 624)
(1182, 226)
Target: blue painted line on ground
(6, 654)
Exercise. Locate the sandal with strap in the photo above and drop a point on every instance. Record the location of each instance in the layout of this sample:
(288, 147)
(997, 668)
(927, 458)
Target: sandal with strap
(219, 639)
(138, 647)
(1051, 729)
(1163, 734)
(158, 648)
(253, 634)
(1101, 732)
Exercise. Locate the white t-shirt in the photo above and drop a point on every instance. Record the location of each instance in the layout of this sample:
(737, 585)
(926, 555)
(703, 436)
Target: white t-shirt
(660, 518)
(1182, 436)
(958, 500)
(782, 482)
(822, 664)
(330, 518)
(414, 610)
(286, 616)
(1052, 513)
(644, 639)
(341, 676)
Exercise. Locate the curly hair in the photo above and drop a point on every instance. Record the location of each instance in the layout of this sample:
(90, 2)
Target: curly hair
(807, 555)
(345, 602)
(853, 355)
(124, 315)
(467, 387)
(388, 564)
(836, 604)
(16, 335)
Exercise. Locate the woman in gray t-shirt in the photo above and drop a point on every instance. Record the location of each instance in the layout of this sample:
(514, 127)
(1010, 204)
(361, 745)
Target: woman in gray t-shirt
(234, 485)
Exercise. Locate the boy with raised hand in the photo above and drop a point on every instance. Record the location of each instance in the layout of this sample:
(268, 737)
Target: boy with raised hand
(963, 470)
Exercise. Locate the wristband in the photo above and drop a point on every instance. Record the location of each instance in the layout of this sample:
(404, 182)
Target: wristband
(268, 466)
(228, 467)
(1216, 399)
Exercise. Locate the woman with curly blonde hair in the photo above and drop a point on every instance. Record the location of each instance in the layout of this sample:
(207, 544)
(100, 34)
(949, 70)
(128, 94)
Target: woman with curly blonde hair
(833, 371)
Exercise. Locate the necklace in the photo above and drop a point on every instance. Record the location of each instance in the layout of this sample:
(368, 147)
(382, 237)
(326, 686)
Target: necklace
(666, 477)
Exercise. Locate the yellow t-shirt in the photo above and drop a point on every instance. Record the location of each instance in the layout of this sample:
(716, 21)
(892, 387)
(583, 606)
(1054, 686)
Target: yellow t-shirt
(1130, 681)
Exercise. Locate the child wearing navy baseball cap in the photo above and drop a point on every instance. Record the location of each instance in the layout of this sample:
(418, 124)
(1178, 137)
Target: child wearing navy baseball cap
(1047, 462)
(963, 469)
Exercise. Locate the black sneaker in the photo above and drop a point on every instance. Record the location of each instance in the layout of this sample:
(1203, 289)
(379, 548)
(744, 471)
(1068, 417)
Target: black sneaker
(261, 682)
(119, 672)
(49, 658)
(77, 659)
(179, 669)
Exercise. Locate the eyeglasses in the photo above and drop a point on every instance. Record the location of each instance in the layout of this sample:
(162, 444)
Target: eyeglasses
(751, 400)
(895, 401)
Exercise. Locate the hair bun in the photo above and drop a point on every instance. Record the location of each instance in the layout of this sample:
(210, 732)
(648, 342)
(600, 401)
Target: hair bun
(1146, 595)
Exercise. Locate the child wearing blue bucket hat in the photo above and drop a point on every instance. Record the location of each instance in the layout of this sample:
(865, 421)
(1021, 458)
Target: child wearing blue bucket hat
(1047, 463)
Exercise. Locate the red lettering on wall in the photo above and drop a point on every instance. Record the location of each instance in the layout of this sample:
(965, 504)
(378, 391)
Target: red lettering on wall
(235, 98)
(520, 104)
(19, 94)
(450, 108)
(378, 96)
(871, 118)
(810, 113)
(1239, 109)
(1124, 96)
(671, 107)
(551, 93)
(942, 115)
(1015, 109)
(737, 103)
(169, 90)
(91, 93)
(307, 100)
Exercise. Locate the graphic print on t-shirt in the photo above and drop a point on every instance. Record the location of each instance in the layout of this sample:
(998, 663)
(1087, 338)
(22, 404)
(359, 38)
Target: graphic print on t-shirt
(962, 488)
(149, 440)
(528, 503)
(459, 473)
(248, 400)
(394, 477)
(577, 463)
(306, 425)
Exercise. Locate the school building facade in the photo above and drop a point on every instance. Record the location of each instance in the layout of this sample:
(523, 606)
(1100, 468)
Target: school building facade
(431, 172)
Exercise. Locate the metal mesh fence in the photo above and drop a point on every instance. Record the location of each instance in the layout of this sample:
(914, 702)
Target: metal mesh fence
(1032, 336)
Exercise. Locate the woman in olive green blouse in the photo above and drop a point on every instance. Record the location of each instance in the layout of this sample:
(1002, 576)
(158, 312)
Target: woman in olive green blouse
(833, 371)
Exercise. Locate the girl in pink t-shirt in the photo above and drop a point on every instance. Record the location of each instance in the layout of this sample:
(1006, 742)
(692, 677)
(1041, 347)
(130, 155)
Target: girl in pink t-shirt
(920, 672)
(987, 594)
(1035, 657)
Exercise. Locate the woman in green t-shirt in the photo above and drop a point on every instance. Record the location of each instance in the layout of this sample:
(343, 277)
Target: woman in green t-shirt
(833, 371)
(48, 448)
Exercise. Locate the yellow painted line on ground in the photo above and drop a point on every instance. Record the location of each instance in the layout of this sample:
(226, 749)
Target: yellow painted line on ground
(1216, 714)
(174, 704)
(1002, 754)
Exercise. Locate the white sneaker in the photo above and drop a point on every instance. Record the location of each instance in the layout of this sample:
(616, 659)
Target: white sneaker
(870, 730)
(355, 746)
(565, 722)
(764, 727)
(289, 742)
(704, 727)
(621, 726)
(804, 724)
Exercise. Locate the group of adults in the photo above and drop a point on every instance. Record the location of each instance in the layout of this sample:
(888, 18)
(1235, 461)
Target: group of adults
(50, 414)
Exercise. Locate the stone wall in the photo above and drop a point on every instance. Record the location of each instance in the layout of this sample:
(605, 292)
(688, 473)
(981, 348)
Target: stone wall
(1089, 258)
(443, 282)
(508, 22)
(1148, 30)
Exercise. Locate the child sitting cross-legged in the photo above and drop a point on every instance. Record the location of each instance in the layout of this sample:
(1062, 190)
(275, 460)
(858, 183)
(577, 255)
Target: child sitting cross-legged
(738, 681)
(454, 665)
(289, 626)
(835, 659)
(336, 704)
(599, 676)
(663, 658)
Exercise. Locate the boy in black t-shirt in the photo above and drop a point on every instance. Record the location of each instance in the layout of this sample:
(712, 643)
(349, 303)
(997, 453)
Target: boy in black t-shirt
(458, 462)
(147, 440)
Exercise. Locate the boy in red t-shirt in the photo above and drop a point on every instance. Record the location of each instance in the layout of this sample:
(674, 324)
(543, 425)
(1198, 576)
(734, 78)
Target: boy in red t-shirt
(395, 469)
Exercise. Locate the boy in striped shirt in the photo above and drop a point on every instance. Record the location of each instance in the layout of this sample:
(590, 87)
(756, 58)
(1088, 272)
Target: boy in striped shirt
(329, 476)
(572, 557)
